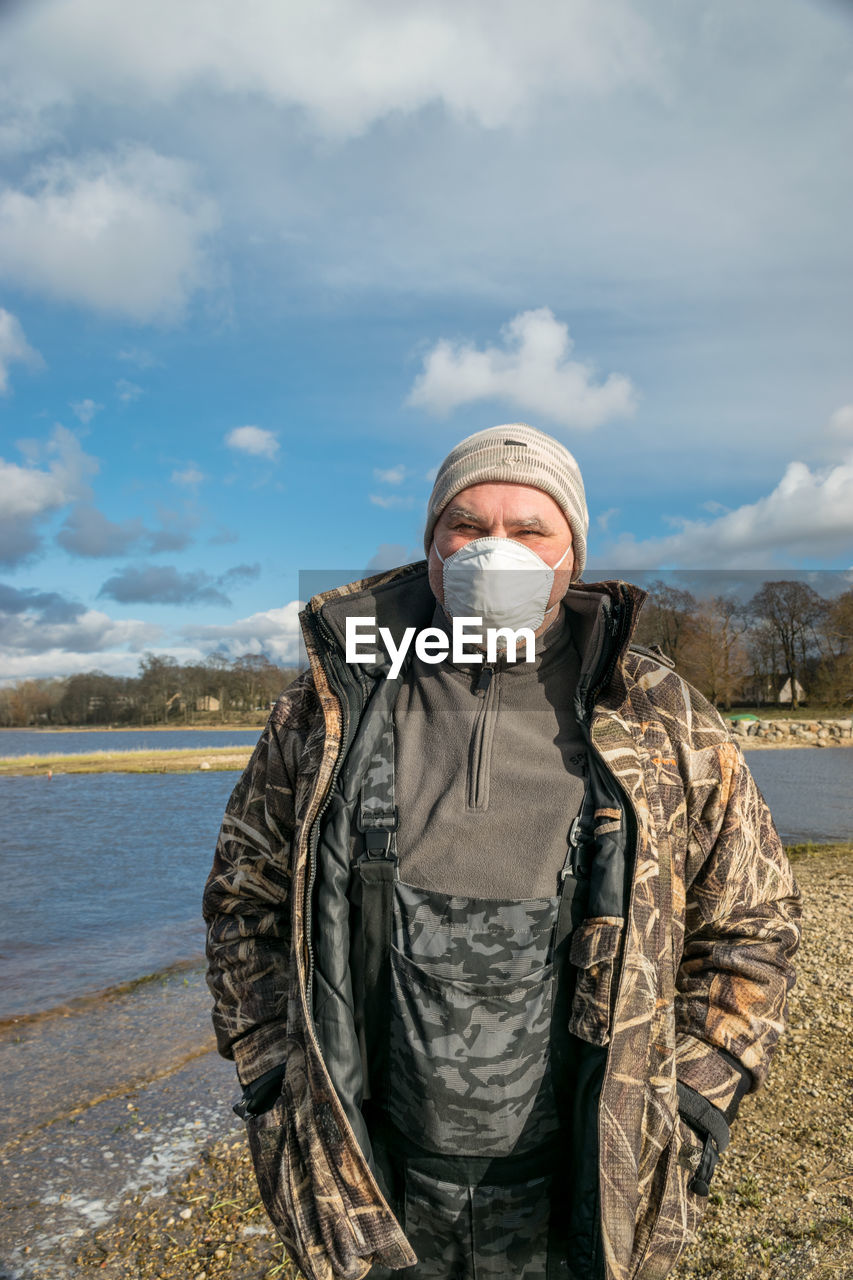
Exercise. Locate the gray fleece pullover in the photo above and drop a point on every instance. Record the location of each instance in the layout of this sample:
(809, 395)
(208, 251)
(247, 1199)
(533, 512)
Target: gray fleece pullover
(489, 779)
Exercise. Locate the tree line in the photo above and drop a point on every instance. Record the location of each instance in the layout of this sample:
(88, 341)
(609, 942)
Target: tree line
(164, 692)
(787, 639)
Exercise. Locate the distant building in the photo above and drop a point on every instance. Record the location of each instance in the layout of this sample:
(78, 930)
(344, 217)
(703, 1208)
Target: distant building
(207, 703)
(774, 690)
(784, 695)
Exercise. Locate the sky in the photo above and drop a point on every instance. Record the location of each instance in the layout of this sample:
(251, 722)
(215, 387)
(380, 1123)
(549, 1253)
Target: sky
(263, 263)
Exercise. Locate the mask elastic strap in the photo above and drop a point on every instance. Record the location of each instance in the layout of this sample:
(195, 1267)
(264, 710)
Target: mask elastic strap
(556, 566)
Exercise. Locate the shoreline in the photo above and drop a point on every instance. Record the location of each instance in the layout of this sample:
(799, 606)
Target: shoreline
(193, 759)
(91, 999)
(214, 727)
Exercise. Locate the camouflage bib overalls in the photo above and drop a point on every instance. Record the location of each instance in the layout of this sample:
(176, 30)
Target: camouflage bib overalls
(463, 1006)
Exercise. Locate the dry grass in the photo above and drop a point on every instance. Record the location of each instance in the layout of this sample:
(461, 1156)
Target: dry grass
(185, 760)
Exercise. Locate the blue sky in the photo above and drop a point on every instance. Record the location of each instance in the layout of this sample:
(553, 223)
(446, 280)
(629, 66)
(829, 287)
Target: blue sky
(263, 263)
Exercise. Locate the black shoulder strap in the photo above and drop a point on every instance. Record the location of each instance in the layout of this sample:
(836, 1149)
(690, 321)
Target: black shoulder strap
(374, 873)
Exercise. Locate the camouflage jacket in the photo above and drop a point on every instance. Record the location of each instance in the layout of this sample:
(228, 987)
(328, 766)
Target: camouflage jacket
(688, 989)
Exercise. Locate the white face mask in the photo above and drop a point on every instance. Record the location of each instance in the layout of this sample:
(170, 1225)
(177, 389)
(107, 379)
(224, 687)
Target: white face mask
(501, 581)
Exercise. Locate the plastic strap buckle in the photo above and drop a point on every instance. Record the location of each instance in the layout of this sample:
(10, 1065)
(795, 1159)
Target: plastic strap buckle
(377, 832)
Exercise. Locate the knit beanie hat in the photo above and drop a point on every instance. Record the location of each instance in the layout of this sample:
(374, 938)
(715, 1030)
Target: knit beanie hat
(518, 454)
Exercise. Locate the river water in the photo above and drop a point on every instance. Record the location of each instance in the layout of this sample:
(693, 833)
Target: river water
(103, 876)
(45, 742)
(103, 873)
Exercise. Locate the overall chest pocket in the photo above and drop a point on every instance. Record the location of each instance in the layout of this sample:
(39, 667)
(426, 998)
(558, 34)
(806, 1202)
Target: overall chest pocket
(594, 952)
(470, 1063)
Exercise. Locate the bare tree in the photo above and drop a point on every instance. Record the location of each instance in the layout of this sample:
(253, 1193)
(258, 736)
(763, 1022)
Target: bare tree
(791, 611)
(713, 653)
(665, 618)
(159, 686)
(834, 676)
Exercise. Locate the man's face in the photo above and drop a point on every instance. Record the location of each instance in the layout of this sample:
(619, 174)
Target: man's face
(502, 510)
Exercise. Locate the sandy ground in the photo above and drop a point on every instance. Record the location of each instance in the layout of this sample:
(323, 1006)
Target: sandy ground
(186, 1207)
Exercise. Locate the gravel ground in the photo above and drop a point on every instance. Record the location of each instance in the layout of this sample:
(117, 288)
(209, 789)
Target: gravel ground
(782, 1200)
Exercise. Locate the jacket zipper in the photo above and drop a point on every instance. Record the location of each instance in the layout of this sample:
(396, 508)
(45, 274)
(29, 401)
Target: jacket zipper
(482, 737)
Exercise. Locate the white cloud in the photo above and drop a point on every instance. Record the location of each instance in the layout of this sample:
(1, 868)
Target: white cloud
(390, 500)
(127, 392)
(30, 491)
(604, 518)
(393, 475)
(344, 63)
(85, 410)
(14, 348)
(275, 632)
(122, 233)
(809, 514)
(841, 422)
(253, 440)
(46, 634)
(532, 371)
(190, 478)
(138, 356)
(388, 555)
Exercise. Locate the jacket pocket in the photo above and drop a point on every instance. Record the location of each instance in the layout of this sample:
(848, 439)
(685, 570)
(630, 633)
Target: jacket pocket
(674, 1212)
(301, 1194)
(269, 1148)
(593, 951)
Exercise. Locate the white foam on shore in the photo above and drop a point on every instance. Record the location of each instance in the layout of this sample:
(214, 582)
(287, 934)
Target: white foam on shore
(84, 1188)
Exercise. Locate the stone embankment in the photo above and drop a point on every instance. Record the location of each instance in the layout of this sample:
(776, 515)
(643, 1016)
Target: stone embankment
(796, 733)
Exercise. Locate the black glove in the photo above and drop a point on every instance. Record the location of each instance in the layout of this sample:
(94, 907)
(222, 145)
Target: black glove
(710, 1125)
(261, 1094)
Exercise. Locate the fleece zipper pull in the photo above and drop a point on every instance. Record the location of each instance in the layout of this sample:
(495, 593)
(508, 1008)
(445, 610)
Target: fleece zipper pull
(482, 685)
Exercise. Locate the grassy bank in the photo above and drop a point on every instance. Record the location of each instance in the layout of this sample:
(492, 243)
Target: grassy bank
(198, 725)
(185, 760)
(190, 759)
(782, 1199)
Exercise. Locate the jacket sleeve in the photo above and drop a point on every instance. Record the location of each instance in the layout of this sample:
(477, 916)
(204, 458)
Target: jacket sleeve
(247, 896)
(742, 915)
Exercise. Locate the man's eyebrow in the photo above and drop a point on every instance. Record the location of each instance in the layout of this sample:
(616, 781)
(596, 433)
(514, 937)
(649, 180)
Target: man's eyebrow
(463, 513)
(531, 522)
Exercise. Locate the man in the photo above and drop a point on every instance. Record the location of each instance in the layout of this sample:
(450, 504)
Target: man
(497, 945)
